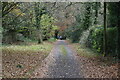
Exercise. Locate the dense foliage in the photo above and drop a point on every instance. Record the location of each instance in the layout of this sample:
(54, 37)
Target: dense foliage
(26, 21)
(47, 26)
(95, 40)
(90, 26)
(96, 24)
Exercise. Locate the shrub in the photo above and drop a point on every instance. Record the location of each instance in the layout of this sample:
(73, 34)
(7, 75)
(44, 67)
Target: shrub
(52, 40)
(95, 39)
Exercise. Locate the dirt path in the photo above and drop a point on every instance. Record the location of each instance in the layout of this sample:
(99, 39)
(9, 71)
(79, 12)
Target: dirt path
(61, 63)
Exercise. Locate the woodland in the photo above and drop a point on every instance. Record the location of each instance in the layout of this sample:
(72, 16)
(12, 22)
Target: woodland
(35, 27)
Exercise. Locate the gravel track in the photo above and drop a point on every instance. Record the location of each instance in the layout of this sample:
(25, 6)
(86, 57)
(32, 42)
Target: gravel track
(61, 63)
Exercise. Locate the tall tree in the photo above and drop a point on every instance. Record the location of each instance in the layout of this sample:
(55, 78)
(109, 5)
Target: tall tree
(114, 21)
(96, 7)
(87, 21)
(38, 14)
(118, 26)
(105, 28)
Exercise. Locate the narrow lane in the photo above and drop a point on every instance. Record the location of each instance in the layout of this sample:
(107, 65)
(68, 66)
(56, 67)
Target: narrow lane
(61, 63)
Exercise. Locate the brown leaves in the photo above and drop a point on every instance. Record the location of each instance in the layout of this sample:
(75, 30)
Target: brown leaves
(20, 64)
(94, 69)
(96, 66)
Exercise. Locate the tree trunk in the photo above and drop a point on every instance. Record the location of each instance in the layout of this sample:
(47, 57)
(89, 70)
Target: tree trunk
(105, 32)
(118, 27)
(40, 37)
(38, 16)
(96, 13)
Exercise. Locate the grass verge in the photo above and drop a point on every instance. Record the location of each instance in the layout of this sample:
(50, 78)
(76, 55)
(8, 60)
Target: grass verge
(88, 53)
(94, 65)
(84, 52)
(19, 61)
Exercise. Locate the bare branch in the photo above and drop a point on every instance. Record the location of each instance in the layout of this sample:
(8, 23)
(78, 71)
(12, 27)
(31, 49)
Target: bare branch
(8, 10)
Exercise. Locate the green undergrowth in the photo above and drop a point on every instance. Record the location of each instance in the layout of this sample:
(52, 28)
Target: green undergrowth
(33, 48)
(92, 55)
(52, 40)
(85, 52)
